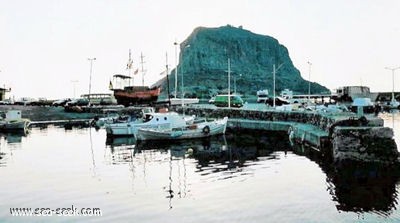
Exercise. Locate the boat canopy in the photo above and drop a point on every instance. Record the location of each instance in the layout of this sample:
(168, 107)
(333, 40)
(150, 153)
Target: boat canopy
(121, 76)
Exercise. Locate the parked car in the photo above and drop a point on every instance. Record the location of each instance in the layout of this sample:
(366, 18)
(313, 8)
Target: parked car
(222, 100)
(212, 100)
(25, 101)
(78, 102)
(42, 102)
(262, 96)
(6, 102)
(61, 102)
(278, 101)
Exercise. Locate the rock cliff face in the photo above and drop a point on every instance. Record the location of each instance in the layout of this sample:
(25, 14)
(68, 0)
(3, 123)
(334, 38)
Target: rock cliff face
(204, 64)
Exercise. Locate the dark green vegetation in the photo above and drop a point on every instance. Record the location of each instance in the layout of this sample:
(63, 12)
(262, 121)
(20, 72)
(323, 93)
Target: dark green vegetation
(204, 63)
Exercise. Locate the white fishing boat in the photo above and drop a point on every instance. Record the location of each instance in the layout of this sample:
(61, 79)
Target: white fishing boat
(12, 121)
(150, 119)
(196, 130)
(110, 116)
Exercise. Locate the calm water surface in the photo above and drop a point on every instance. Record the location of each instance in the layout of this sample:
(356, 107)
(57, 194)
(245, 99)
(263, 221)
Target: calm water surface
(247, 177)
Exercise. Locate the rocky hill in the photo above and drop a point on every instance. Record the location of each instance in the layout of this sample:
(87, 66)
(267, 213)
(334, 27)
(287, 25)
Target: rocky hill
(204, 64)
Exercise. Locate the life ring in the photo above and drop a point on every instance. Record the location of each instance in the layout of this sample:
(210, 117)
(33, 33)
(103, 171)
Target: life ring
(362, 150)
(206, 129)
(290, 129)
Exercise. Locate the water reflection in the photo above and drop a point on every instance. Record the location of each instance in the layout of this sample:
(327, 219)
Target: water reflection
(220, 152)
(14, 137)
(214, 158)
(358, 187)
(362, 187)
(8, 142)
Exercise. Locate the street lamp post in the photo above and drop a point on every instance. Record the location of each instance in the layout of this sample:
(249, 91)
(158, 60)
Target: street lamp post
(182, 94)
(392, 69)
(274, 73)
(90, 76)
(309, 80)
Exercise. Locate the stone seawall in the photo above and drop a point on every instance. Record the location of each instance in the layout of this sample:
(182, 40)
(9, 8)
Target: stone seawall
(355, 138)
(324, 121)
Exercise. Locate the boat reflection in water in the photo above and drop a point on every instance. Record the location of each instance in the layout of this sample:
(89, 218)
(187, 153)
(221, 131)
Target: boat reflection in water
(9, 141)
(208, 159)
(356, 186)
(14, 137)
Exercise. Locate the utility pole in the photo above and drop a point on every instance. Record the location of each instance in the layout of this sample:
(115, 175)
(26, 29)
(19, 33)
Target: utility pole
(309, 80)
(229, 83)
(274, 74)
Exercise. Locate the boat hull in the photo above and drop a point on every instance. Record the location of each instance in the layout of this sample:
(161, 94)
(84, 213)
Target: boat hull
(156, 120)
(133, 96)
(20, 125)
(201, 130)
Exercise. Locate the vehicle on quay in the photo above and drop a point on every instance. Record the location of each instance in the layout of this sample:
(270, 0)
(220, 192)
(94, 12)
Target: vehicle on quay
(279, 101)
(24, 101)
(78, 102)
(42, 102)
(149, 119)
(212, 100)
(61, 102)
(198, 129)
(262, 96)
(7, 102)
(100, 99)
(222, 100)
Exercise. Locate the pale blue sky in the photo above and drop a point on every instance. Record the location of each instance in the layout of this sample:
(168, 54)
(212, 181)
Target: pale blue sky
(45, 44)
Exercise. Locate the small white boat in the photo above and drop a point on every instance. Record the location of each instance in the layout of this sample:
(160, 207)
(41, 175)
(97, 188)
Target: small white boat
(150, 119)
(110, 116)
(12, 121)
(195, 130)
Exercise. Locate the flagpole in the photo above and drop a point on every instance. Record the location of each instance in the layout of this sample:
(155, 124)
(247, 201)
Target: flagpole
(129, 67)
(142, 62)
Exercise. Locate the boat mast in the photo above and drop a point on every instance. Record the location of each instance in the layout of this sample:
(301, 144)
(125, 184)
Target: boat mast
(176, 70)
(129, 68)
(143, 71)
(166, 67)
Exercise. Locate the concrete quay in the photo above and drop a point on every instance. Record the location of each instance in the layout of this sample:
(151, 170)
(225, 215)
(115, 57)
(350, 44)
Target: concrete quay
(344, 136)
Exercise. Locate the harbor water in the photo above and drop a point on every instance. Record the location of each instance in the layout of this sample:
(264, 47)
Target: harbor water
(239, 177)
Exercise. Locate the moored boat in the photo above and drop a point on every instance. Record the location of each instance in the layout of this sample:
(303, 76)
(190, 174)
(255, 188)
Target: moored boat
(191, 131)
(150, 119)
(128, 94)
(12, 121)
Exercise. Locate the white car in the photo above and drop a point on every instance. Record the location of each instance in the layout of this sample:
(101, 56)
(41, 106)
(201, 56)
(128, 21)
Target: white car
(212, 100)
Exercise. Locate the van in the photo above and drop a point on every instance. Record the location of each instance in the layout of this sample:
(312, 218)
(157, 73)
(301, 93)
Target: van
(262, 96)
(222, 101)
